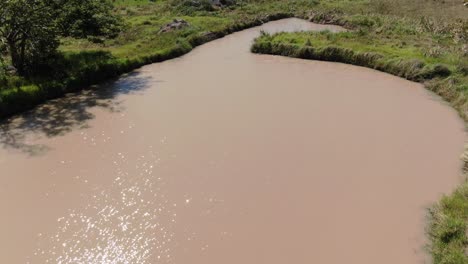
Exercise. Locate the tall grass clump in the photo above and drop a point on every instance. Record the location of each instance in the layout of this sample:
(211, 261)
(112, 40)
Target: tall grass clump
(448, 228)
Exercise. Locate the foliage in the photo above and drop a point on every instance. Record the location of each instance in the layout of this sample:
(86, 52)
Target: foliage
(31, 28)
(27, 28)
(79, 19)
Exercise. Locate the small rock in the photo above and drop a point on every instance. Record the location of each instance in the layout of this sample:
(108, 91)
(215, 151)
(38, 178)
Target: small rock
(11, 70)
(209, 35)
(323, 18)
(176, 24)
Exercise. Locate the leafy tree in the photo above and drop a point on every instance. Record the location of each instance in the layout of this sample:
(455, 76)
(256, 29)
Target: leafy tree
(80, 18)
(30, 29)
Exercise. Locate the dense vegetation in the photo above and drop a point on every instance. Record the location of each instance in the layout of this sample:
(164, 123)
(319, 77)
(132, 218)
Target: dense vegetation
(30, 28)
(421, 40)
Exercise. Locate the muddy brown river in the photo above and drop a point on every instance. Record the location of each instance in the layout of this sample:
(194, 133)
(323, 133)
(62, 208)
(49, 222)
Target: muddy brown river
(223, 156)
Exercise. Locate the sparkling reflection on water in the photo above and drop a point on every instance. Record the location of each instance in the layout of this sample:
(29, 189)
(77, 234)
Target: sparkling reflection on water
(129, 222)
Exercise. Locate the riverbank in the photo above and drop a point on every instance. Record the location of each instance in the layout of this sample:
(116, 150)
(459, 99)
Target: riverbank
(84, 69)
(426, 57)
(83, 63)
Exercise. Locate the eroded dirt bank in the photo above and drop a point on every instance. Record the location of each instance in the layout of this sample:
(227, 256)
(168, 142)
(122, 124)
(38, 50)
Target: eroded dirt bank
(223, 156)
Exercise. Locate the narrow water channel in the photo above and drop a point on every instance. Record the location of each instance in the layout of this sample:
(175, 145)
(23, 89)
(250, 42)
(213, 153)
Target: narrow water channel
(223, 156)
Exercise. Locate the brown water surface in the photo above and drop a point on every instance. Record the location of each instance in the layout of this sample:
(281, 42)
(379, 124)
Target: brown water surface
(223, 156)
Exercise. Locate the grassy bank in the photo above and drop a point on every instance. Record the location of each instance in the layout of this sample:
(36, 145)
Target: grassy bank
(405, 47)
(448, 228)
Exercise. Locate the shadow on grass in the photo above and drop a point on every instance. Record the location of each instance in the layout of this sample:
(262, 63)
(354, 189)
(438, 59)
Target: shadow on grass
(61, 116)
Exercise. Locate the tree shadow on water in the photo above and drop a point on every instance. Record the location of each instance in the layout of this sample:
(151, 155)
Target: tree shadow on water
(71, 112)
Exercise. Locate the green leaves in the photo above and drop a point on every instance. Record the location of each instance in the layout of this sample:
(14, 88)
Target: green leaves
(30, 28)
(82, 18)
(28, 31)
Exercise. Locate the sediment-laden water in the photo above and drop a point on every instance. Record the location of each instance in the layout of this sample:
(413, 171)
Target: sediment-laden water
(223, 156)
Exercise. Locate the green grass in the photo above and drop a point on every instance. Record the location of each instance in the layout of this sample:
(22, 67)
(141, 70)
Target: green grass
(448, 228)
